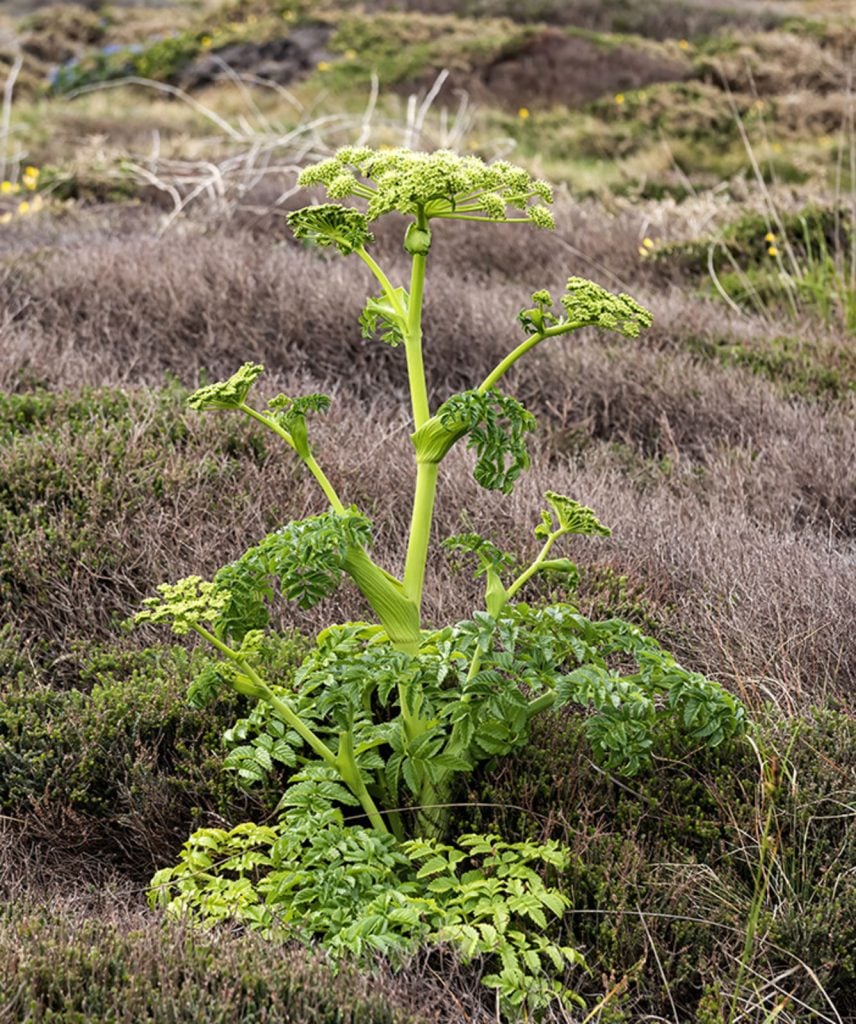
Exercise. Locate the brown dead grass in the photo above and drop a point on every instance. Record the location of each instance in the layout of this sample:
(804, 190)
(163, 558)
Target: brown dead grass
(95, 952)
(734, 503)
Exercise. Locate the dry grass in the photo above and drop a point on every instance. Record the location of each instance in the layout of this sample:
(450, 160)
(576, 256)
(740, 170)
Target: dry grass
(748, 494)
(103, 956)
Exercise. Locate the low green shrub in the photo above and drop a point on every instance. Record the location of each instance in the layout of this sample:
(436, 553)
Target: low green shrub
(78, 475)
(401, 48)
(122, 761)
(779, 263)
(128, 968)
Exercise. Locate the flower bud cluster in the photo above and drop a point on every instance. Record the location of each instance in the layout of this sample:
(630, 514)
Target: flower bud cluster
(439, 184)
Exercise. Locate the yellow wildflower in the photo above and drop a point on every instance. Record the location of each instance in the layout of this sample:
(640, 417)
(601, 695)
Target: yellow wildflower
(32, 172)
(769, 237)
(9, 188)
(23, 208)
(772, 251)
(523, 113)
(205, 42)
(30, 182)
(323, 65)
(619, 98)
(684, 44)
(350, 54)
(648, 243)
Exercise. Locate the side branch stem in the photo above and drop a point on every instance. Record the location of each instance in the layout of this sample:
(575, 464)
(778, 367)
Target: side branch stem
(534, 339)
(383, 280)
(313, 467)
(345, 766)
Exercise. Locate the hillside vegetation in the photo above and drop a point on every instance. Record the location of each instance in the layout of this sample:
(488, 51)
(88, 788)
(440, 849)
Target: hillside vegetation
(704, 159)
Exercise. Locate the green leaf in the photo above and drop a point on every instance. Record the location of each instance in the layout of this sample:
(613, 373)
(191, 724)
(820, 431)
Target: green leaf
(290, 414)
(306, 557)
(541, 316)
(380, 318)
(487, 554)
(497, 426)
(433, 867)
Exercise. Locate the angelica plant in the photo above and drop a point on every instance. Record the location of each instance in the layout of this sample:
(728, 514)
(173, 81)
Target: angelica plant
(383, 714)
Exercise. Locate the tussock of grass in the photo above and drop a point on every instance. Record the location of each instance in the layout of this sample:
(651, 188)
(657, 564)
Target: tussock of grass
(669, 864)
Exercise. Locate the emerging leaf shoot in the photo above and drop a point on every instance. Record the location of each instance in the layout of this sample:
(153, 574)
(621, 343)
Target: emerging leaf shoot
(497, 426)
(380, 318)
(227, 394)
(487, 554)
(290, 414)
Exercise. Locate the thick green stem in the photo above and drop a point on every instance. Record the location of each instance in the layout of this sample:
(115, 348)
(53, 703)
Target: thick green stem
(259, 689)
(420, 530)
(413, 335)
(350, 772)
(390, 601)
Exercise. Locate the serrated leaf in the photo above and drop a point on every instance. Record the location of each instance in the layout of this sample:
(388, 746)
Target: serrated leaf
(496, 426)
(380, 318)
(432, 867)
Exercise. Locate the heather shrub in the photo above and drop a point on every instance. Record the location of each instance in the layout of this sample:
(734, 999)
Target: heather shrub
(119, 764)
(125, 968)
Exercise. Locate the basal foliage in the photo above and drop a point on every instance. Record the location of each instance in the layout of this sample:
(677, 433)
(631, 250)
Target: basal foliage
(382, 715)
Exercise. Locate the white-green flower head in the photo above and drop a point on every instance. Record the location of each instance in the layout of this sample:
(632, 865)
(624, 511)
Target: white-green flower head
(588, 303)
(571, 516)
(440, 184)
(192, 601)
